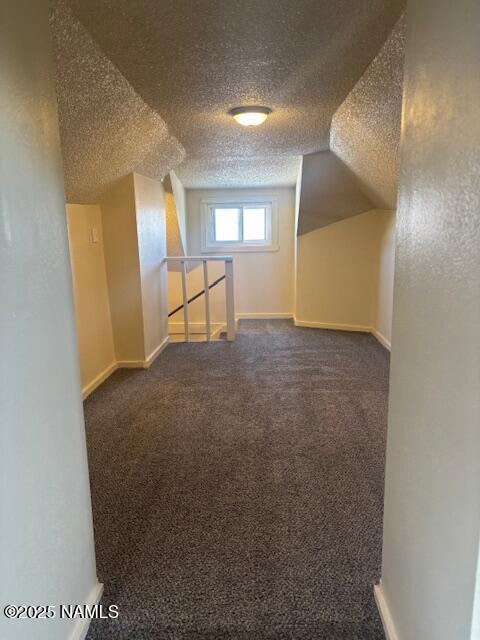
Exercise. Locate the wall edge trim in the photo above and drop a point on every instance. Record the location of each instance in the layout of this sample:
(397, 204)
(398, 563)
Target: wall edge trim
(346, 327)
(384, 611)
(130, 364)
(97, 381)
(264, 316)
(81, 627)
(381, 338)
(144, 364)
(123, 364)
(332, 325)
(195, 327)
(156, 352)
(199, 328)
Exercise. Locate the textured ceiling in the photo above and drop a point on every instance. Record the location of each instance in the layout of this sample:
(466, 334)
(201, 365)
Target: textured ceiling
(191, 60)
(365, 130)
(106, 129)
(360, 171)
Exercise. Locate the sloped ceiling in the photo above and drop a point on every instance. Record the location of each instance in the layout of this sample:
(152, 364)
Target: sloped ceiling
(192, 60)
(360, 171)
(329, 192)
(365, 130)
(107, 130)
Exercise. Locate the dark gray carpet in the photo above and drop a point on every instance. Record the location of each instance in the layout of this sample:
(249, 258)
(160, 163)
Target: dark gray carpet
(238, 488)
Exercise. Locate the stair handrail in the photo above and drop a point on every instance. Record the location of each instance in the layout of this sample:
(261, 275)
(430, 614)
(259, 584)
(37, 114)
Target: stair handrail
(197, 295)
(229, 292)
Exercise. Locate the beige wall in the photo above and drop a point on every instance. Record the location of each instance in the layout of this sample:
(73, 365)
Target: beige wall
(123, 270)
(432, 498)
(384, 277)
(152, 249)
(120, 281)
(92, 306)
(46, 554)
(345, 273)
(175, 242)
(264, 281)
(179, 195)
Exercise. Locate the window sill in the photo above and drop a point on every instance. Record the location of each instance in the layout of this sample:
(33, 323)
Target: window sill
(247, 249)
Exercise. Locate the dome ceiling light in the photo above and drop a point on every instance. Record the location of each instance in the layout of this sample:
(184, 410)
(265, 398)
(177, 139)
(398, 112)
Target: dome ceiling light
(250, 116)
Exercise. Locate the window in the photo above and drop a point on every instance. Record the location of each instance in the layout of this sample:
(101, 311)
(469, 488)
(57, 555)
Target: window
(254, 224)
(226, 224)
(233, 226)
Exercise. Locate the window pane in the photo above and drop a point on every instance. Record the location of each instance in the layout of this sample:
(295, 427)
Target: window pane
(254, 223)
(226, 225)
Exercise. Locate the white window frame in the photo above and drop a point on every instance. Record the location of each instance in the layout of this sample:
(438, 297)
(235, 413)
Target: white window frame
(210, 245)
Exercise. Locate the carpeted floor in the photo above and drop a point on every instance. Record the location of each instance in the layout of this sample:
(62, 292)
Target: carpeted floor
(238, 487)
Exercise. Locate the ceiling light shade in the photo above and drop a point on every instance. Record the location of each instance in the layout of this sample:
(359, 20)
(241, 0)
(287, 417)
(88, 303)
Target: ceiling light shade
(250, 116)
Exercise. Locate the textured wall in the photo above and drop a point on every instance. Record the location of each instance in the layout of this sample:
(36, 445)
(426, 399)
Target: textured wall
(432, 504)
(365, 129)
(47, 553)
(107, 130)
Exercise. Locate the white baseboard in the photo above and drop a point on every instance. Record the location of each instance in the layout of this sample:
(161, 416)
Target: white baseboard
(218, 327)
(385, 615)
(381, 338)
(193, 327)
(97, 381)
(264, 316)
(198, 328)
(156, 352)
(331, 325)
(123, 364)
(131, 364)
(80, 629)
(345, 327)
(144, 364)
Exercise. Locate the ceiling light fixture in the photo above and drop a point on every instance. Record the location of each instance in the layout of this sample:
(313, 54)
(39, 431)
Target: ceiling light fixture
(250, 116)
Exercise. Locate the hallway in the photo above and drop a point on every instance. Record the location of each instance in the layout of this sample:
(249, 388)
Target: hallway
(238, 488)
